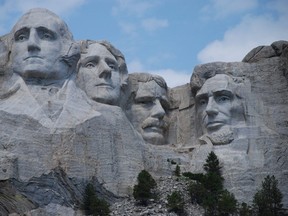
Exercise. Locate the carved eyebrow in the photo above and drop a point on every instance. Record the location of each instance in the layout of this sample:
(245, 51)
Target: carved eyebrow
(223, 92)
(110, 60)
(144, 98)
(94, 58)
(41, 29)
(200, 96)
(21, 31)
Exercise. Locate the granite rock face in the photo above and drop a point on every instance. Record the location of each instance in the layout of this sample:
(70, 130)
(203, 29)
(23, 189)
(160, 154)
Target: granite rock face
(80, 120)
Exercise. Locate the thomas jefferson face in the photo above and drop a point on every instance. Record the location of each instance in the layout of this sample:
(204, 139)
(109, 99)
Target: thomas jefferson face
(217, 106)
(99, 75)
(37, 47)
(148, 110)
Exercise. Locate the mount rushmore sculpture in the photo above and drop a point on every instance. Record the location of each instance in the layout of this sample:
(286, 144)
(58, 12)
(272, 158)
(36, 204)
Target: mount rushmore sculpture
(71, 114)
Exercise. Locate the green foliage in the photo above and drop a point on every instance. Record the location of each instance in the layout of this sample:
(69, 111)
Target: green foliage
(177, 171)
(176, 202)
(213, 182)
(227, 204)
(267, 200)
(197, 192)
(194, 176)
(212, 164)
(245, 210)
(208, 190)
(142, 192)
(93, 205)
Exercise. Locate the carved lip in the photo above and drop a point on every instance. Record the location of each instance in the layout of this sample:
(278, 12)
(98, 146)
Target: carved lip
(36, 57)
(155, 129)
(154, 126)
(107, 85)
(214, 124)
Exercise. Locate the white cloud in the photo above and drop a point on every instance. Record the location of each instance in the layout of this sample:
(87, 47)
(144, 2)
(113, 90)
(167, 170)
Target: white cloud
(173, 78)
(251, 32)
(223, 8)
(153, 24)
(135, 66)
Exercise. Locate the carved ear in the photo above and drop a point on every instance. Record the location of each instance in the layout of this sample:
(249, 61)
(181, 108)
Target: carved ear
(4, 54)
(124, 80)
(73, 54)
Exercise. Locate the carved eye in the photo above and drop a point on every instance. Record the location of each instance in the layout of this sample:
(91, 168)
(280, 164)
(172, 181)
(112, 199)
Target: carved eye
(146, 103)
(223, 99)
(89, 65)
(22, 36)
(202, 102)
(113, 65)
(46, 34)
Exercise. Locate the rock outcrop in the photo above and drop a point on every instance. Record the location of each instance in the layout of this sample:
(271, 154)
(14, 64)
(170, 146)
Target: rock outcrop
(57, 134)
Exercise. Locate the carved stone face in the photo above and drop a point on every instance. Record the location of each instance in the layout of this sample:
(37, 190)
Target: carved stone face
(99, 75)
(148, 110)
(37, 47)
(217, 106)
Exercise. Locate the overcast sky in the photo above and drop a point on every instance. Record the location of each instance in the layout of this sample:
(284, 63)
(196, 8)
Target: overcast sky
(167, 37)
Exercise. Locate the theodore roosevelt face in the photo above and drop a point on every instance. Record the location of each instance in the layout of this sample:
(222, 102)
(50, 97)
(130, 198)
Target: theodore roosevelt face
(148, 111)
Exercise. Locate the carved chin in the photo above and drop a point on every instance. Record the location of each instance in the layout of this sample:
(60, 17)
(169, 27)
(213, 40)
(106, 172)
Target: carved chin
(153, 138)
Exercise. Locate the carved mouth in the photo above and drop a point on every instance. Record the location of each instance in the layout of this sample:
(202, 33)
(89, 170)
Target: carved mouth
(214, 124)
(154, 129)
(104, 85)
(33, 57)
(154, 126)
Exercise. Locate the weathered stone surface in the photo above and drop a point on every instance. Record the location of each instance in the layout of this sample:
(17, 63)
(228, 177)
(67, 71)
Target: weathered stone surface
(57, 133)
(259, 145)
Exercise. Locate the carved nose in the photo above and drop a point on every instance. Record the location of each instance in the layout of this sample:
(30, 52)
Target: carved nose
(33, 41)
(158, 111)
(211, 108)
(105, 70)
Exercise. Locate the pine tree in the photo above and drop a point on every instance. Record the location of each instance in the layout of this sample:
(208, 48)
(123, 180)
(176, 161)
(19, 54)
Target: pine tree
(177, 171)
(227, 203)
(176, 202)
(143, 190)
(212, 164)
(208, 190)
(92, 204)
(267, 200)
(245, 210)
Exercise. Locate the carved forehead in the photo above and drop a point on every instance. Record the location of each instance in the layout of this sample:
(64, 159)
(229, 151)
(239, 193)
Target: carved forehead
(216, 83)
(97, 49)
(44, 18)
(151, 89)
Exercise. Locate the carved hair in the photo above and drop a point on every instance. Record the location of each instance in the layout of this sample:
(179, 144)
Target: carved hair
(135, 78)
(4, 54)
(133, 82)
(201, 74)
